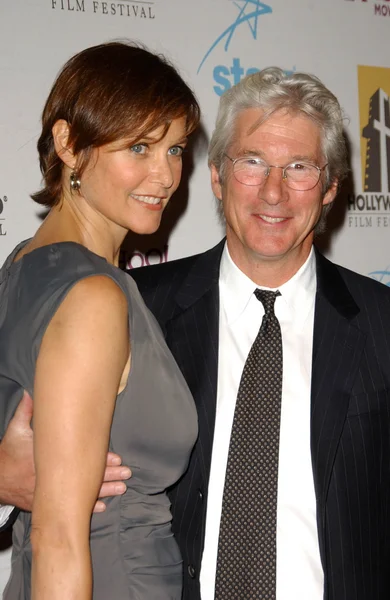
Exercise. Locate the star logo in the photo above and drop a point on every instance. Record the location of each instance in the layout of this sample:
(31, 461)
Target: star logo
(382, 276)
(249, 12)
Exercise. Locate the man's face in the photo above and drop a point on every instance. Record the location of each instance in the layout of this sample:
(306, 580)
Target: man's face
(272, 225)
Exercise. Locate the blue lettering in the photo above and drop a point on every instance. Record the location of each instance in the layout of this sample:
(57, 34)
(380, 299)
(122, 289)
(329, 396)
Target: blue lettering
(228, 76)
(237, 71)
(218, 73)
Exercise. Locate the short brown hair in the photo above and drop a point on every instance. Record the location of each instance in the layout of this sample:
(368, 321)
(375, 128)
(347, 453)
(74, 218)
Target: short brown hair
(109, 92)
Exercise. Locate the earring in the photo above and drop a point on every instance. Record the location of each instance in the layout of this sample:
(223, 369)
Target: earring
(74, 180)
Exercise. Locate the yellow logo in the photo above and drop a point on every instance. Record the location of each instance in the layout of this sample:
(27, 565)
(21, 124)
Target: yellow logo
(374, 108)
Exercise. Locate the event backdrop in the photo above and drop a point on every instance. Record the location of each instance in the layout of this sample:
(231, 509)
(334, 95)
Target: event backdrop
(214, 43)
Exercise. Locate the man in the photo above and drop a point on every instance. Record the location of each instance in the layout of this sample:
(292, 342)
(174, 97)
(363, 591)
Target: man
(276, 157)
(333, 479)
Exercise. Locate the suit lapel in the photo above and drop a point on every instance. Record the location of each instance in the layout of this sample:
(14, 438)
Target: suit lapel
(192, 334)
(337, 350)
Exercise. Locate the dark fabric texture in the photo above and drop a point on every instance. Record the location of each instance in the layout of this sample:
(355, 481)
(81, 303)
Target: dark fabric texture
(350, 415)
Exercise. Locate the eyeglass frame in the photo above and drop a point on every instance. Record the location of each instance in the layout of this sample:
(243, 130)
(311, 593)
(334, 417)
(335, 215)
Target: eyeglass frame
(269, 167)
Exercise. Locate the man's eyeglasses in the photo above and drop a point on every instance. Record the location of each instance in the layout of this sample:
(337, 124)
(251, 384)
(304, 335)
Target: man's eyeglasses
(299, 175)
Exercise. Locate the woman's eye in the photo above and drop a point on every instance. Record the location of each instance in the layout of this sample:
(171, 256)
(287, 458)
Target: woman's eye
(138, 148)
(176, 151)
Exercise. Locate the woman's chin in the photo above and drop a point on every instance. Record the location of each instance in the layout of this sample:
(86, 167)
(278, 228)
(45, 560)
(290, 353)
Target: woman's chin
(146, 229)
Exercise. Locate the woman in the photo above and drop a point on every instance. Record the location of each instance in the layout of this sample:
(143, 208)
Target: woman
(77, 335)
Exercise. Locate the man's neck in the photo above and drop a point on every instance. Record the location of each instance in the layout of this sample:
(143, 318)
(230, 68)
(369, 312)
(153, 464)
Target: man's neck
(269, 272)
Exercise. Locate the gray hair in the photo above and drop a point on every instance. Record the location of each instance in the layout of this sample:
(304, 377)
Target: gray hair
(271, 90)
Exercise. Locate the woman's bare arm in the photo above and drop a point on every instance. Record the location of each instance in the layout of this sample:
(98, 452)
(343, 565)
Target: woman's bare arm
(79, 367)
(17, 471)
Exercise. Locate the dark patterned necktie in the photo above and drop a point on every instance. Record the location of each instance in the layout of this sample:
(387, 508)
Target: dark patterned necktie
(246, 564)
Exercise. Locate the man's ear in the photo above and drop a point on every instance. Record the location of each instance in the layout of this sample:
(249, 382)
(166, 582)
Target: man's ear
(216, 182)
(331, 193)
(60, 133)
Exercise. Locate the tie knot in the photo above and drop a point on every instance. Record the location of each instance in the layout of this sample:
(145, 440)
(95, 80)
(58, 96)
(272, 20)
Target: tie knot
(267, 298)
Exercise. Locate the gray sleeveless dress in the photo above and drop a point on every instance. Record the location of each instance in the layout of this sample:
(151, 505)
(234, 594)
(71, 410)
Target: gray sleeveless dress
(154, 427)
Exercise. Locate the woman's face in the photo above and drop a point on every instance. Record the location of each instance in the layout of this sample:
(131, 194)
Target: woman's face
(130, 187)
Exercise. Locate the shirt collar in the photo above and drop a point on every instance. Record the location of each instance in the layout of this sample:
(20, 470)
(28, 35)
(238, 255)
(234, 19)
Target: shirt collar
(297, 294)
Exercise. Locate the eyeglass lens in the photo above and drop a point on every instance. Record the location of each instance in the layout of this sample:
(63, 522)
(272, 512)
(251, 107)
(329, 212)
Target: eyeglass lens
(299, 176)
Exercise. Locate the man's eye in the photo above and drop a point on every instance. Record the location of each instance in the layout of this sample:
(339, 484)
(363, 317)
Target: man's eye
(253, 162)
(176, 151)
(138, 148)
(299, 167)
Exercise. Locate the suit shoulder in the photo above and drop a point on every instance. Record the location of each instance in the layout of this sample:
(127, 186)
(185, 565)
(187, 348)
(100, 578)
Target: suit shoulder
(176, 270)
(357, 284)
(356, 281)
(188, 278)
(158, 274)
(166, 275)
(158, 284)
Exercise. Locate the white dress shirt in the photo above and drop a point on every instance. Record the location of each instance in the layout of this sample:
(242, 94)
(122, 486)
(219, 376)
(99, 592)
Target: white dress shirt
(299, 572)
(5, 512)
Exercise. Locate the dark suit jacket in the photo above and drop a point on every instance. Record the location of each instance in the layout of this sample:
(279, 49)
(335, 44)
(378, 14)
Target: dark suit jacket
(350, 415)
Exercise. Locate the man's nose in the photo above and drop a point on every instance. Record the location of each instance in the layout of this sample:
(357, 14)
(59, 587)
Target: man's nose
(273, 189)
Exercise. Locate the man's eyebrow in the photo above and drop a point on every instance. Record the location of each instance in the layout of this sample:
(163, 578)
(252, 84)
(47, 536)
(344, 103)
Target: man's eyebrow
(304, 158)
(250, 152)
(261, 154)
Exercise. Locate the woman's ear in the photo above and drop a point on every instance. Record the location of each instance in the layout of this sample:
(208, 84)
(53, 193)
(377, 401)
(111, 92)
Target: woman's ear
(60, 133)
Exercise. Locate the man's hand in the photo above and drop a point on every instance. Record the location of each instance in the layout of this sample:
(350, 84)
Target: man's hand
(112, 484)
(17, 473)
